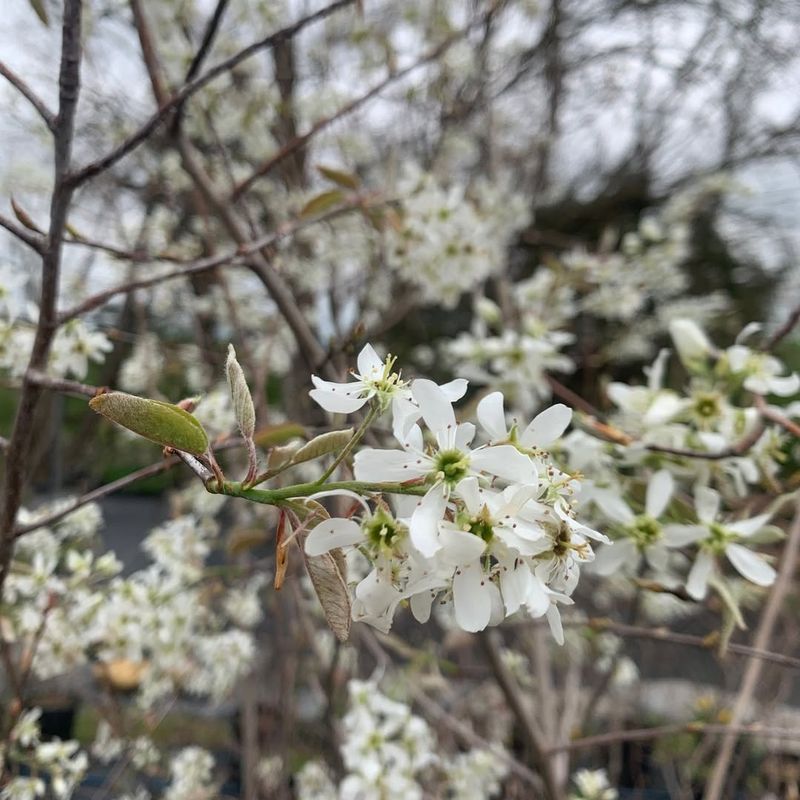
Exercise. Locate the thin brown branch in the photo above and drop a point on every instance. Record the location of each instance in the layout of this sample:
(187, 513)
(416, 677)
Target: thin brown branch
(703, 642)
(38, 104)
(100, 165)
(240, 256)
(766, 625)
(574, 400)
(33, 240)
(648, 734)
(62, 384)
(784, 330)
(775, 416)
(511, 691)
(300, 141)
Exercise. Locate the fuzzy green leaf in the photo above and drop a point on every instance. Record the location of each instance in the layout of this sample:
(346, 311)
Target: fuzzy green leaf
(322, 445)
(243, 408)
(162, 423)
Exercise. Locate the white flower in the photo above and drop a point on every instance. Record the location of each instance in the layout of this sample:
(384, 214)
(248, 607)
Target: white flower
(691, 342)
(761, 372)
(715, 539)
(593, 785)
(23, 789)
(545, 428)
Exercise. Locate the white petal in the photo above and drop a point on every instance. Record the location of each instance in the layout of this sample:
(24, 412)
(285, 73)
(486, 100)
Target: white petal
(340, 493)
(369, 362)
(492, 417)
(547, 426)
(458, 547)
(472, 600)
(784, 386)
(405, 412)
(663, 408)
(657, 557)
(334, 532)
(388, 465)
(505, 461)
(659, 492)
(498, 612)
(421, 606)
(748, 331)
(537, 599)
(424, 524)
(747, 527)
(681, 535)
(434, 407)
(697, 582)
(455, 390)
(469, 491)
(465, 433)
(344, 402)
(554, 620)
(613, 506)
(706, 502)
(611, 557)
(514, 586)
(750, 565)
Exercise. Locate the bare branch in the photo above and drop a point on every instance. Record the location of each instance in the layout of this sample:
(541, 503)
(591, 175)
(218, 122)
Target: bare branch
(516, 704)
(766, 626)
(785, 329)
(18, 453)
(239, 256)
(94, 168)
(61, 384)
(41, 109)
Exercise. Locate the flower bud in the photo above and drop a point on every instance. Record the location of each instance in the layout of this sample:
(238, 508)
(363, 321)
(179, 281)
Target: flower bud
(691, 342)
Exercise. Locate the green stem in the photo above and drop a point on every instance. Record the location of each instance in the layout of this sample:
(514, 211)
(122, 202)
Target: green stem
(374, 411)
(276, 497)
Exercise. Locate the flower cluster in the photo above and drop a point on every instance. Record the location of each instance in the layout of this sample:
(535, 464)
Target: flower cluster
(492, 529)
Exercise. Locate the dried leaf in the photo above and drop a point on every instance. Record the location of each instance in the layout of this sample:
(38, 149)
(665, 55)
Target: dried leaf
(162, 423)
(331, 588)
(281, 552)
(322, 202)
(345, 179)
(243, 407)
(322, 445)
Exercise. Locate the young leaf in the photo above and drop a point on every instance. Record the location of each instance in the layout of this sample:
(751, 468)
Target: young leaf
(162, 423)
(243, 407)
(322, 202)
(322, 445)
(24, 217)
(344, 179)
(40, 9)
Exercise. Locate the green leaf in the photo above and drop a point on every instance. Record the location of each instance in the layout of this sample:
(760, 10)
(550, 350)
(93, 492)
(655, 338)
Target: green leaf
(40, 9)
(321, 203)
(243, 408)
(281, 456)
(345, 179)
(322, 445)
(162, 423)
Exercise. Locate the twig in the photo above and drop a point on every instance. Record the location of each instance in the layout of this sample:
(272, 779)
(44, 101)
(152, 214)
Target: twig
(239, 256)
(100, 165)
(39, 105)
(513, 696)
(62, 384)
(784, 330)
(773, 415)
(703, 642)
(648, 734)
(766, 626)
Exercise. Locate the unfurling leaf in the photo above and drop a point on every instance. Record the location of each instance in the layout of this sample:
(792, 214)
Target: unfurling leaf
(322, 445)
(40, 9)
(243, 407)
(337, 176)
(322, 202)
(162, 423)
(25, 218)
(330, 584)
(281, 456)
